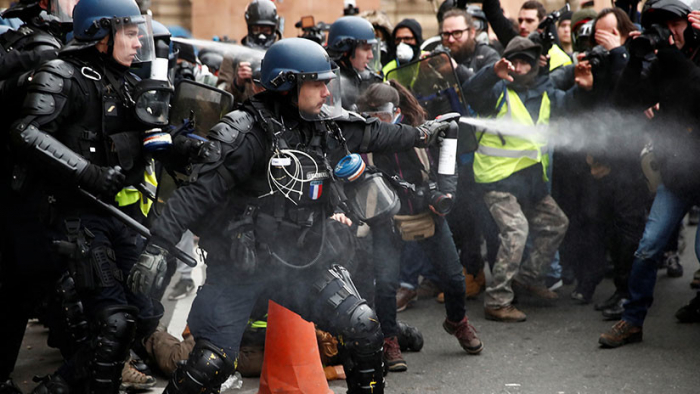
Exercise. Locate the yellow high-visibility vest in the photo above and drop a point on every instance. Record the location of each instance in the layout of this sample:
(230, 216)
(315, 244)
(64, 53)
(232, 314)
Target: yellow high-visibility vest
(130, 195)
(558, 58)
(495, 160)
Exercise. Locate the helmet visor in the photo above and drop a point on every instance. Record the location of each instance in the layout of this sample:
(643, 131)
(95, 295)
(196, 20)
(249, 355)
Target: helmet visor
(133, 40)
(376, 63)
(63, 10)
(319, 95)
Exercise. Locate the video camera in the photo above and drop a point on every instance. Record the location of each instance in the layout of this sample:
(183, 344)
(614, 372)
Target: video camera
(597, 57)
(652, 38)
(311, 30)
(548, 28)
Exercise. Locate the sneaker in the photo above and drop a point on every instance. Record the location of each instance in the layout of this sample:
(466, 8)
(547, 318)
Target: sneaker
(133, 379)
(578, 296)
(466, 335)
(615, 311)
(691, 312)
(539, 291)
(553, 283)
(674, 269)
(409, 337)
(621, 333)
(695, 283)
(392, 355)
(475, 283)
(507, 314)
(405, 297)
(609, 303)
(182, 289)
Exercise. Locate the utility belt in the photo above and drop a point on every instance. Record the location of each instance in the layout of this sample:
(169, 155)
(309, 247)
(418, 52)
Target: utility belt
(256, 238)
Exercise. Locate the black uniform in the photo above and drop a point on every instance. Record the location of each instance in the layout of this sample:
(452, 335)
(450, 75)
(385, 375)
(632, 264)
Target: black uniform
(76, 124)
(259, 241)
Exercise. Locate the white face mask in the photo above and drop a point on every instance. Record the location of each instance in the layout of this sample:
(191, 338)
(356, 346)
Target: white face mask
(404, 53)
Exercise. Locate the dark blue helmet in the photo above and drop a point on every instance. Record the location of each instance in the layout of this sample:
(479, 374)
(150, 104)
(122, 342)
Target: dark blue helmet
(160, 32)
(94, 20)
(292, 60)
(347, 32)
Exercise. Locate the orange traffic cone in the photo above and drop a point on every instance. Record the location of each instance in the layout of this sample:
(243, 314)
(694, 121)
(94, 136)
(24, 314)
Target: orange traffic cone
(292, 362)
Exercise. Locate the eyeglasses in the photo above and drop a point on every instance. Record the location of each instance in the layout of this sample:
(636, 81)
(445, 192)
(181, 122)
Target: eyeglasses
(407, 40)
(457, 34)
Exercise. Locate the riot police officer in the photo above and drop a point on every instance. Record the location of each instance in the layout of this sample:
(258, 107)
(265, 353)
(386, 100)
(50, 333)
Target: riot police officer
(262, 210)
(353, 45)
(82, 125)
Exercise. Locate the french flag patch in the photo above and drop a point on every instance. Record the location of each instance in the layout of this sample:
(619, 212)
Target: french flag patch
(315, 190)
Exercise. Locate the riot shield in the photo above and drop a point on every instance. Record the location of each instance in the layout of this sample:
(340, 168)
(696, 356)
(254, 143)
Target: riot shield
(433, 82)
(202, 104)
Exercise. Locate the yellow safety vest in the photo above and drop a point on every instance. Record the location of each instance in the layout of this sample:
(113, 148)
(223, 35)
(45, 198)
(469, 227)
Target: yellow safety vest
(494, 160)
(392, 65)
(557, 57)
(130, 195)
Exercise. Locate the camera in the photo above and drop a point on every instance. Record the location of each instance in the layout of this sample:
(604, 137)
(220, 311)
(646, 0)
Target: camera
(441, 202)
(597, 57)
(652, 38)
(311, 30)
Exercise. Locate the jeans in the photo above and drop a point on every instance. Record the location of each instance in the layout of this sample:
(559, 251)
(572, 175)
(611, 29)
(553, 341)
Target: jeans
(667, 211)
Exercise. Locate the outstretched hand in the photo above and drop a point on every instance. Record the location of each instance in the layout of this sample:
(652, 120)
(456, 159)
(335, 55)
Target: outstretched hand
(503, 68)
(583, 75)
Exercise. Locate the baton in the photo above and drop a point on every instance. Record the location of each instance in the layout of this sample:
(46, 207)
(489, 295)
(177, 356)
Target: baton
(138, 227)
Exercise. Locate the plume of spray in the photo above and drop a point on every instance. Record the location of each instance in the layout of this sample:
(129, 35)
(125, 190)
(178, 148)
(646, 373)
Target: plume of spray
(599, 133)
(238, 53)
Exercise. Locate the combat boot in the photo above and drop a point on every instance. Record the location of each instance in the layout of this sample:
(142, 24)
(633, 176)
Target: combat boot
(392, 355)
(507, 314)
(51, 384)
(621, 333)
(466, 335)
(691, 312)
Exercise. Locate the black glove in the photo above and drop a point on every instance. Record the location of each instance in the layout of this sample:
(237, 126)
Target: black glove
(432, 129)
(147, 276)
(102, 180)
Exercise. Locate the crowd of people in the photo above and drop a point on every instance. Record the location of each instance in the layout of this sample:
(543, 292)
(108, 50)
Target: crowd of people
(340, 176)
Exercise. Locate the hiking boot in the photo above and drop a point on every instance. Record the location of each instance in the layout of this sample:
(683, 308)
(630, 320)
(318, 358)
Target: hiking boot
(428, 289)
(621, 333)
(615, 311)
(507, 314)
(695, 283)
(182, 289)
(392, 355)
(133, 379)
(691, 312)
(466, 335)
(609, 303)
(674, 269)
(539, 291)
(475, 283)
(409, 337)
(405, 297)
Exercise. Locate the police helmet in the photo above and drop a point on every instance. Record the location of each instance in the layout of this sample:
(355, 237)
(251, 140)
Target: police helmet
(348, 32)
(160, 32)
(261, 13)
(94, 20)
(60, 12)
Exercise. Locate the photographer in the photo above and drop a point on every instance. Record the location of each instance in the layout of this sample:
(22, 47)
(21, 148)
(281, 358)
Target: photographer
(663, 69)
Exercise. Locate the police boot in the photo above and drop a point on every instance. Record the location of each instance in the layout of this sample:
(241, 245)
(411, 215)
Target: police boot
(51, 384)
(205, 371)
(110, 348)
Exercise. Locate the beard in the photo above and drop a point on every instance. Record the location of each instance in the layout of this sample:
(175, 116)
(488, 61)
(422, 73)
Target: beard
(528, 79)
(463, 51)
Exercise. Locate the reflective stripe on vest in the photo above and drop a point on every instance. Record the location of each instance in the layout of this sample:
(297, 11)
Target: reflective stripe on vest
(495, 160)
(130, 195)
(558, 58)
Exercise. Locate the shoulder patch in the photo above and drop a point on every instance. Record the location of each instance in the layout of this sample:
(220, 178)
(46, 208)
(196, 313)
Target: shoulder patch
(231, 125)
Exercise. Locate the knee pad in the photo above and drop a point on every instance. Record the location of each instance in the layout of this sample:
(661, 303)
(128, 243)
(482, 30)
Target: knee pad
(362, 341)
(206, 370)
(116, 330)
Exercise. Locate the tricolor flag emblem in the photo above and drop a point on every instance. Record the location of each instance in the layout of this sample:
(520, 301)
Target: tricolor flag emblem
(315, 190)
